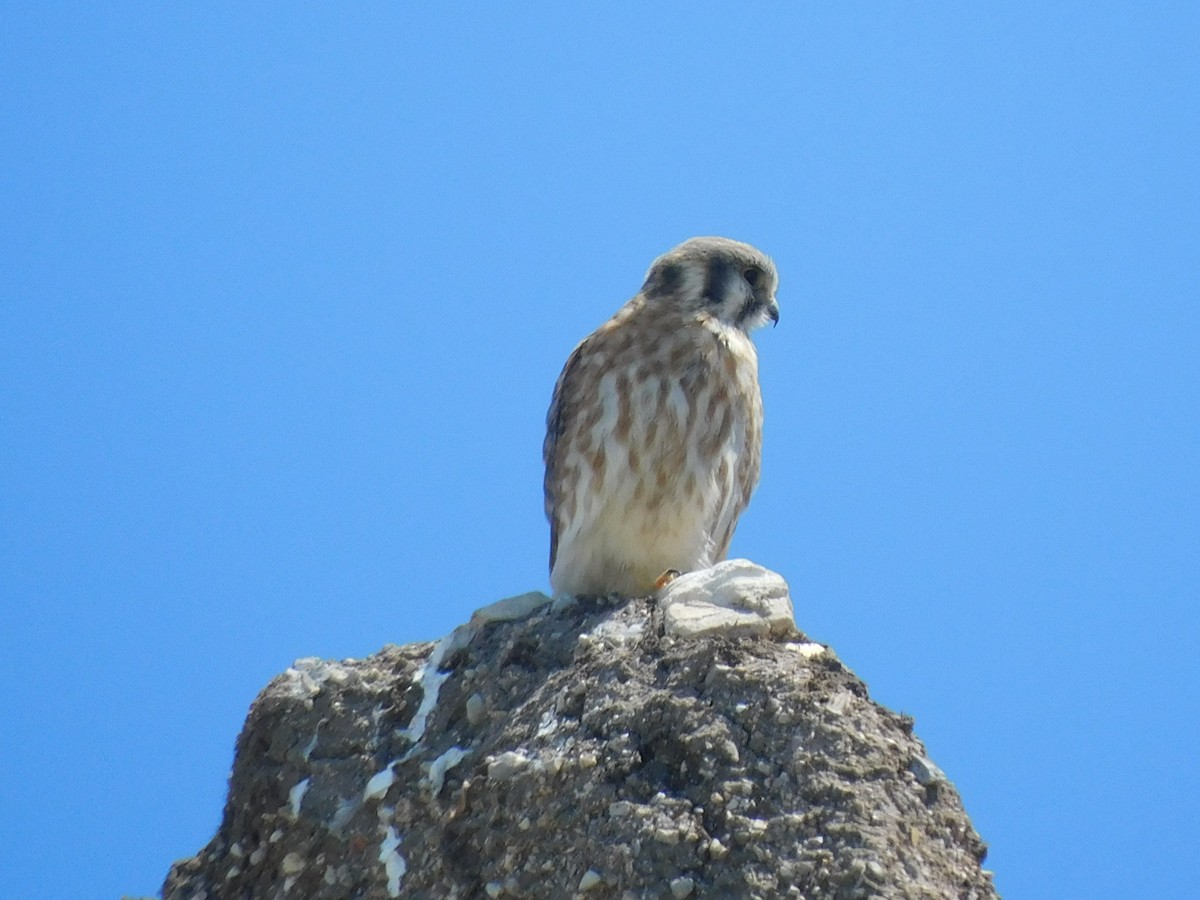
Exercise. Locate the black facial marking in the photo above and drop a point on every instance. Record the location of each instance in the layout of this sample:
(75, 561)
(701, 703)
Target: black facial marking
(749, 308)
(716, 279)
(665, 279)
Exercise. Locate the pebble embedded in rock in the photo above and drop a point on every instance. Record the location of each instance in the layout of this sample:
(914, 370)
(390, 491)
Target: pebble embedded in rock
(925, 771)
(507, 765)
(591, 879)
(293, 864)
(682, 887)
(475, 709)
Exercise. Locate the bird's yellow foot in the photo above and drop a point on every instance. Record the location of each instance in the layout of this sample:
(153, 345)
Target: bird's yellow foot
(666, 578)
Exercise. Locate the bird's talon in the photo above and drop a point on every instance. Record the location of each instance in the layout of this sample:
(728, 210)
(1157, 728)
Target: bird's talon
(666, 578)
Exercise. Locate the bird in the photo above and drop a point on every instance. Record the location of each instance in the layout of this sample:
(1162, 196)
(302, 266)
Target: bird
(654, 432)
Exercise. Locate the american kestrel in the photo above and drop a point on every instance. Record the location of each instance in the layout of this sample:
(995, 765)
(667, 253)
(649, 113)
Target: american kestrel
(654, 434)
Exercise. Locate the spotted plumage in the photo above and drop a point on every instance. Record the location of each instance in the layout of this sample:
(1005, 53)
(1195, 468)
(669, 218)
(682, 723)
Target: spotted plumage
(654, 433)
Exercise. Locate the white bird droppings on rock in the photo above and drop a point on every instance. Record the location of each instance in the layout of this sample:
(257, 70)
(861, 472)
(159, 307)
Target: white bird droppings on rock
(430, 679)
(440, 766)
(735, 597)
(378, 786)
(394, 865)
(296, 796)
(311, 745)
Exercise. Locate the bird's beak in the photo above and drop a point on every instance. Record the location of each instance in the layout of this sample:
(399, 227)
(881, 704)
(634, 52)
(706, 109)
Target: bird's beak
(773, 312)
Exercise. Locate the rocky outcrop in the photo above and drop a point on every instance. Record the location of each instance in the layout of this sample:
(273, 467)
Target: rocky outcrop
(598, 749)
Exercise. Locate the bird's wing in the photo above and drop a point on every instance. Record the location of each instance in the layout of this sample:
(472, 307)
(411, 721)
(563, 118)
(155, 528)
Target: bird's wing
(745, 474)
(742, 484)
(561, 413)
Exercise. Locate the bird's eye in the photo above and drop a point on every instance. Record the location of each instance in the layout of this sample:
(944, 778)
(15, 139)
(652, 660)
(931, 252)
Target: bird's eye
(752, 275)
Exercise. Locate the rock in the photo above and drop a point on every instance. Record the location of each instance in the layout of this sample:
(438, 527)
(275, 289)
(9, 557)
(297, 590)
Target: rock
(507, 765)
(591, 879)
(925, 771)
(511, 609)
(682, 887)
(588, 748)
(735, 597)
(476, 709)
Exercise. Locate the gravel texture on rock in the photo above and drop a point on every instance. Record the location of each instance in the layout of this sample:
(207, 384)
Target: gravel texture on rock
(583, 751)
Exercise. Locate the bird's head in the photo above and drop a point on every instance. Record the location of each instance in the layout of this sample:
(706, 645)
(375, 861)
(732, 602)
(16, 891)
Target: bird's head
(730, 280)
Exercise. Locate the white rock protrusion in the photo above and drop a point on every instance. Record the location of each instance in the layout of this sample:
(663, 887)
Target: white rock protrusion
(734, 597)
(510, 609)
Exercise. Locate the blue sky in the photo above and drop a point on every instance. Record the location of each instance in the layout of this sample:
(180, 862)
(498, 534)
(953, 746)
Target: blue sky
(284, 292)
